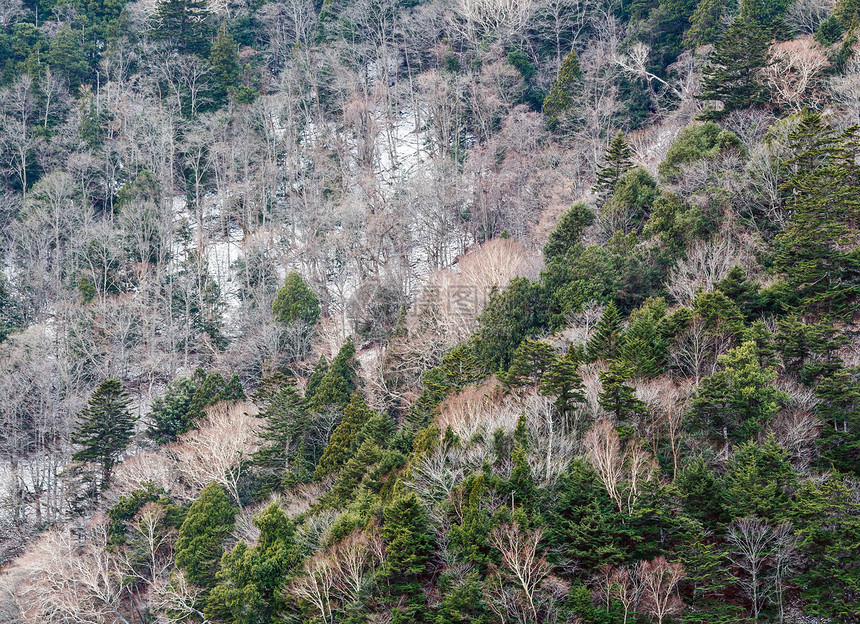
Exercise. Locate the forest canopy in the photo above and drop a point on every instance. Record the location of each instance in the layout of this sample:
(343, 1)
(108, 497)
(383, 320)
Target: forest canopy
(429, 311)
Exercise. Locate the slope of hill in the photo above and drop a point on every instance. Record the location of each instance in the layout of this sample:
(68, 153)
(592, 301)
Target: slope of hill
(431, 311)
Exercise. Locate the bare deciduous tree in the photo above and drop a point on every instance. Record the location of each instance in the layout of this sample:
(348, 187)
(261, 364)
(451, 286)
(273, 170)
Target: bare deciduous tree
(603, 449)
(315, 586)
(752, 543)
(622, 473)
(659, 579)
(805, 16)
(65, 583)
(794, 74)
(218, 449)
(492, 19)
(527, 568)
(707, 262)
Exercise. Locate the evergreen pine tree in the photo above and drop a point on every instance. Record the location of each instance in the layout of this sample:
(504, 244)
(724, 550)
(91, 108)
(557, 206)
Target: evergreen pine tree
(68, 56)
(184, 24)
(645, 344)
(233, 391)
(608, 335)
(827, 520)
(406, 532)
(341, 445)
(295, 301)
(808, 350)
(701, 493)
(511, 315)
(208, 393)
(758, 334)
(617, 160)
(584, 521)
(251, 580)
(745, 293)
(730, 76)
(469, 538)
(531, 360)
(759, 481)
(839, 439)
(169, 415)
(286, 423)
(10, 317)
(314, 379)
(351, 474)
(567, 231)
(563, 381)
(616, 397)
(105, 429)
(224, 61)
(339, 382)
(198, 546)
(560, 99)
(814, 250)
(705, 24)
(769, 14)
(739, 400)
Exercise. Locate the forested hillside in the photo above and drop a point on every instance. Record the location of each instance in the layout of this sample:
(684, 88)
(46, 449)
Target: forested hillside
(433, 311)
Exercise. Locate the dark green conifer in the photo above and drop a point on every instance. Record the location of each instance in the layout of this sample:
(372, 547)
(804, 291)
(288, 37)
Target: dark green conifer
(563, 381)
(409, 547)
(252, 578)
(826, 518)
(315, 379)
(745, 293)
(706, 24)
(736, 402)
(759, 481)
(608, 336)
(169, 415)
(731, 74)
(184, 24)
(559, 102)
(67, 55)
(286, 422)
(339, 382)
(645, 345)
(353, 473)
(813, 251)
(808, 350)
(295, 301)
(224, 61)
(617, 160)
(568, 230)
(839, 439)
(531, 360)
(616, 397)
(198, 546)
(105, 428)
(341, 444)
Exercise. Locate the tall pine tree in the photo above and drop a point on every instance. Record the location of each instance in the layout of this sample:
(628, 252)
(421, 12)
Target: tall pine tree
(559, 102)
(406, 532)
(816, 250)
(339, 381)
(106, 428)
(730, 76)
(563, 381)
(608, 335)
(286, 423)
(184, 24)
(617, 160)
(199, 545)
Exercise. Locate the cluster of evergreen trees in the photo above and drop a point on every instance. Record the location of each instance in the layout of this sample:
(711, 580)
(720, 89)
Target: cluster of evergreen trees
(646, 445)
(740, 519)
